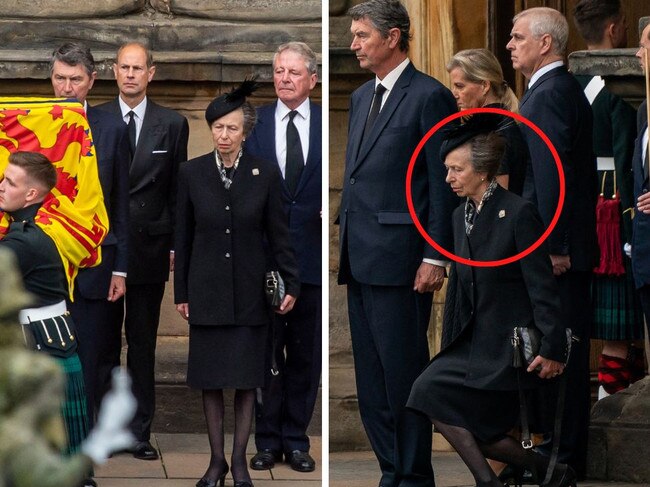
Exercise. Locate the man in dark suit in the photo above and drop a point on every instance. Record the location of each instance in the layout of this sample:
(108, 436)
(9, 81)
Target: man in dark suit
(98, 290)
(641, 221)
(556, 103)
(289, 397)
(158, 140)
(389, 270)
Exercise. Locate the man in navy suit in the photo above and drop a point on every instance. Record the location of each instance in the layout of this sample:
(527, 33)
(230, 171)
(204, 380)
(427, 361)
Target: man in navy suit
(555, 102)
(289, 133)
(641, 221)
(158, 139)
(389, 270)
(98, 290)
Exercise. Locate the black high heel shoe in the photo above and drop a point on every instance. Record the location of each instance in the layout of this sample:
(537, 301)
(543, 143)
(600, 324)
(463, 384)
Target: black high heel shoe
(563, 476)
(243, 483)
(511, 476)
(221, 480)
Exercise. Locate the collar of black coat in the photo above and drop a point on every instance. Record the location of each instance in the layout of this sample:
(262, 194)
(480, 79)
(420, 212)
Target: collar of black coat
(23, 215)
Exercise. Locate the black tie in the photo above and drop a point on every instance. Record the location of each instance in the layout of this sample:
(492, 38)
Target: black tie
(374, 109)
(131, 129)
(295, 160)
(645, 165)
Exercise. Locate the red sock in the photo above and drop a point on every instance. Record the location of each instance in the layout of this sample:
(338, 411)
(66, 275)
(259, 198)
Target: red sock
(613, 373)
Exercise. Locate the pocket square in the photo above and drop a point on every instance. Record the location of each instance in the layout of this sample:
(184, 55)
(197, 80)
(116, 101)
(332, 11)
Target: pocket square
(159, 152)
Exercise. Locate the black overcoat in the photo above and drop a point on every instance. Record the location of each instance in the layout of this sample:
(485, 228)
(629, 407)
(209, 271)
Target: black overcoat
(219, 241)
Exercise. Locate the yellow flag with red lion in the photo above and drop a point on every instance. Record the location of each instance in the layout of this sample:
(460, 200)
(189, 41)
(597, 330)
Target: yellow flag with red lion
(73, 214)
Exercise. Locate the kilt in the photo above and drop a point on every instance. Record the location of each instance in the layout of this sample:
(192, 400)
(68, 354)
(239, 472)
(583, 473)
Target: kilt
(617, 308)
(73, 407)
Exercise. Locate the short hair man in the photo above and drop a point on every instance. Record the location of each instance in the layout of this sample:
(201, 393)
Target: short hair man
(98, 289)
(555, 102)
(618, 318)
(289, 132)
(389, 270)
(158, 139)
(641, 221)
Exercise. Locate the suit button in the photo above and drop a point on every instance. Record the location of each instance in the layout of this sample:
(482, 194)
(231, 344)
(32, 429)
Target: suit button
(352, 180)
(153, 180)
(227, 208)
(227, 230)
(139, 229)
(227, 255)
(293, 202)
(142, 204)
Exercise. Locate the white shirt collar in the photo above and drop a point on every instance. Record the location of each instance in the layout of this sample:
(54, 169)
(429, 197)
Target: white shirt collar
(139, 109)
(303, 109)
(543, 70)
(391, 78)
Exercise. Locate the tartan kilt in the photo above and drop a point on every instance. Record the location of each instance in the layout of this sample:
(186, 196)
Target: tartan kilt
(74, 403)
(617, 309)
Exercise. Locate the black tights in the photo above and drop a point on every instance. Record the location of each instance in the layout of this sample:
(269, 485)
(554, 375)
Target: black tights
(474, 454)
(213, 409)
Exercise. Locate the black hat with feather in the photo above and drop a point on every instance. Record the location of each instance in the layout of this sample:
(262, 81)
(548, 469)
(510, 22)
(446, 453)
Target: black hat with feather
(231, 101)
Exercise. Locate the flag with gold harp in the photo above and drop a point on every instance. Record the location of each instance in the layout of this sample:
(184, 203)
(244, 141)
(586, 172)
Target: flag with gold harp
(73, 214)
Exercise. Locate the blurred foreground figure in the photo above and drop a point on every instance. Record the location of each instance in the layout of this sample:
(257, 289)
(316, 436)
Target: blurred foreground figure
(31, 390)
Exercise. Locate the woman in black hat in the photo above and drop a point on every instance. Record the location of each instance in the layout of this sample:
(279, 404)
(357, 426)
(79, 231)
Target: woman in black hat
(469, 390)
(229, 204)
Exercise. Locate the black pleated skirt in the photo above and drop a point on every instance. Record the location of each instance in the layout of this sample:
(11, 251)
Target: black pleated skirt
(227, 357)
(440, 393)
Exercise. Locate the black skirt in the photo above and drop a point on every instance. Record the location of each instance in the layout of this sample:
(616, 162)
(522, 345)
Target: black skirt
(441, 394)
(227, 357)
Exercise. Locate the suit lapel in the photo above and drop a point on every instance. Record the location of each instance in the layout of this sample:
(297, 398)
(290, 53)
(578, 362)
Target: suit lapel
(394, 100)
(357, 124)
(150, 134)
(546, 76)
(315, 147)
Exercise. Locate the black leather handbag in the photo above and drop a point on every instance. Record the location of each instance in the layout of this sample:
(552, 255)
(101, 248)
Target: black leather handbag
(274, 289)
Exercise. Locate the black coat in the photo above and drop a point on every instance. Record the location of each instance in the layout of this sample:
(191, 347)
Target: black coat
(493, 300)
(220, 258)
(162, 146)
(558, 106)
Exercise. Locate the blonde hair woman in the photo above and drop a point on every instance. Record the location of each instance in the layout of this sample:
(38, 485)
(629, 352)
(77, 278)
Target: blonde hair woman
(477, 82)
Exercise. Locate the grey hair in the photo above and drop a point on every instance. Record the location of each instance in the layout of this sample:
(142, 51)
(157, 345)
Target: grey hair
(384, 16)
(250, 117)
(74, 54)
(301, 49)
(486, 152)
(545, 20)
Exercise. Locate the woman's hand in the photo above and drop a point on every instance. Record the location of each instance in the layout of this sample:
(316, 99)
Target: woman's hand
(184, 310)
(550, 368)
(287, 305)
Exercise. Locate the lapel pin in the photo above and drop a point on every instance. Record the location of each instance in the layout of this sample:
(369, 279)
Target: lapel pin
(256, 172)
(502, 213)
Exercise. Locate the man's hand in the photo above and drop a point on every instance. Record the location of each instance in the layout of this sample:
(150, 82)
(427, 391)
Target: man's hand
(117, 288)
(429, 278)
(561, 264)
(549, 368)
(643, 203)
(184, 310)
(287, 305)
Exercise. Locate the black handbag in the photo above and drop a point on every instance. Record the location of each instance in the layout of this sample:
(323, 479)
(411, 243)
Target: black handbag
(274, 289)
(55, 336)
(526, 342)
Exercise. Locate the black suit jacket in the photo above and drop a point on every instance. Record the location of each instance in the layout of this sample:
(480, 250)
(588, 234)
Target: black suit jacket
(162, 146)
(220, 258)
(641, 221)
(304, 207)
(558, 106)
(493, 300)
(378, 238)
(112, 150)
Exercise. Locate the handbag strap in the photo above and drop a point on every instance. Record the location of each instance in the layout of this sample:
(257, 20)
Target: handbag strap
(526, 441)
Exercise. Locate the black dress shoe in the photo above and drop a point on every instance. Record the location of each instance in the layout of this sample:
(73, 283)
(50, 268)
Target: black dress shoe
(300, 461)
(145, 451)
(265, 459)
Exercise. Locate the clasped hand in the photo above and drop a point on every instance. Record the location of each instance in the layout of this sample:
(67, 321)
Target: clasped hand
(549, 368)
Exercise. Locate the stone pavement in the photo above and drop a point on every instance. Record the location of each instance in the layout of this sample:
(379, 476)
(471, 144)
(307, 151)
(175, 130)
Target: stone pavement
(184, 459)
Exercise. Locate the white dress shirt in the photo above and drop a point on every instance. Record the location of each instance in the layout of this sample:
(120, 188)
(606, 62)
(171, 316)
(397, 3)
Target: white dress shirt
(139, 112)
(301, 121)
(543, 70)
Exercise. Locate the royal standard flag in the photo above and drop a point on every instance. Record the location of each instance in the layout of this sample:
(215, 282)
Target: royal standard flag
(73, 214)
